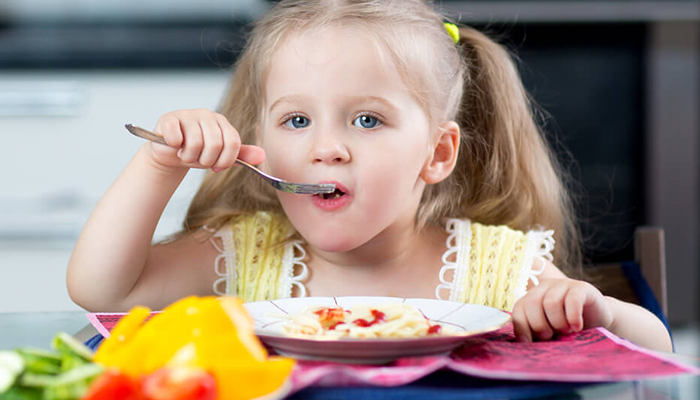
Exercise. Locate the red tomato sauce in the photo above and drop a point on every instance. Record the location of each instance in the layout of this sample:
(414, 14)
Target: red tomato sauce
(378, 317)
(434, 329)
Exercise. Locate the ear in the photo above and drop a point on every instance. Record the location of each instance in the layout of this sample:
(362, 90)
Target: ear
(444, 154)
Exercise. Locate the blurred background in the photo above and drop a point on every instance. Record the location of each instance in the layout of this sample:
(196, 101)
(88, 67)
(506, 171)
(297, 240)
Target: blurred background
(618, 79)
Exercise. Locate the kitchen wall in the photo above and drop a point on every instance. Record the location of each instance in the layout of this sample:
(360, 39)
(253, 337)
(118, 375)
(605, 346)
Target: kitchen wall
(63, 143)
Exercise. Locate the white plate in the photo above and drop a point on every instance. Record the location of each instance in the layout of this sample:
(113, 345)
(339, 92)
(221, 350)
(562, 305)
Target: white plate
(465, 321)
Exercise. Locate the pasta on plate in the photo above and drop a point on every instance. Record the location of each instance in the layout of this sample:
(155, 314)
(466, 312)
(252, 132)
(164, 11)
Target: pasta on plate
(395, 320)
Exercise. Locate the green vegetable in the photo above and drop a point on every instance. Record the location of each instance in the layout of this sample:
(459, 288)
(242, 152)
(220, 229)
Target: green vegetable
(36, 374)
(73, 384)
(40, 360)
(30, 379)
(22, 393)
(70, 361)
(67, 345)
(11, 365)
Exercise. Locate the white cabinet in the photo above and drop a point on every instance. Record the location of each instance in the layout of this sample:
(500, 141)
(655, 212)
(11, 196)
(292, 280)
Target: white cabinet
(63, 143)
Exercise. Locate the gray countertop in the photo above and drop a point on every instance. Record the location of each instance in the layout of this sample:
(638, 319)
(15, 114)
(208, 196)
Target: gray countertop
(36, 329)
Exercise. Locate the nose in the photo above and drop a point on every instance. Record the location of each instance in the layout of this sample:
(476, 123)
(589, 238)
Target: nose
(329, 149)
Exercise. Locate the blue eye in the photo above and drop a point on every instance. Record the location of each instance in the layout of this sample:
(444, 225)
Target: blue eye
(366, 121)
(298, 122)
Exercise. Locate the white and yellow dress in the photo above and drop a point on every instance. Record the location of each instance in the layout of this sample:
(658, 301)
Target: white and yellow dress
(488, 265)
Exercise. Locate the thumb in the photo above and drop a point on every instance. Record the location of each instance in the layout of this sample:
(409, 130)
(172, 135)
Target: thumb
(251, 154)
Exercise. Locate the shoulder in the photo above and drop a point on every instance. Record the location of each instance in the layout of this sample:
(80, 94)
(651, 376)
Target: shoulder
(186, 263)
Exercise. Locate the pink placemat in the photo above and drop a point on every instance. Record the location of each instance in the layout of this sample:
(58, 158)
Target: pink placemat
(593, 355)
(105, 322)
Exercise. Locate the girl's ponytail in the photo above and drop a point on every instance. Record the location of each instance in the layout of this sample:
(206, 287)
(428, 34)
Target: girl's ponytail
(509, 173)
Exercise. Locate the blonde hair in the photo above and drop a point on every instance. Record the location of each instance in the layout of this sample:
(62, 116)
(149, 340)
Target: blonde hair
(505, 173)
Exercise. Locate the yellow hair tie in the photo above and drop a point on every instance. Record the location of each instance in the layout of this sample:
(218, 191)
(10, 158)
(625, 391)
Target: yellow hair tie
(453, 31)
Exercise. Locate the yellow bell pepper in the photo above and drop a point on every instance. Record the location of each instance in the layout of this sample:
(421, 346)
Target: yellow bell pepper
(215, 334)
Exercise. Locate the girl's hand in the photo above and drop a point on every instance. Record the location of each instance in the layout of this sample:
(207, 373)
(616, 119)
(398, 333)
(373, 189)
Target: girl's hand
(560, 305)
(200, 139)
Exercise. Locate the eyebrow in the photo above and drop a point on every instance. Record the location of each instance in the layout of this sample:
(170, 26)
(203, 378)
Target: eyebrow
(352, 99)
(286, 99)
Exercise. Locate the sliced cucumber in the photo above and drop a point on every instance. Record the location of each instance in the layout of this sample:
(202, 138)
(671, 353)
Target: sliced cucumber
(11, 365)
(71, 361)
(66, 344)
(40, 361)
(33, 380)
(36, 374)
(73, 384)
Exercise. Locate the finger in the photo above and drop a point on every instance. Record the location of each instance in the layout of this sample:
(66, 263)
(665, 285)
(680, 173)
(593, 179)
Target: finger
(251, 154)
(573, 304)
(169, 128)
(213, 142)
(231, 145)
(193, 142)
(537, 319)
(554, 309)
(520, 324)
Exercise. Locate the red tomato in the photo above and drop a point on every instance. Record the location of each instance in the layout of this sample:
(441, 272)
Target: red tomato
(114, 385)
(179, 383)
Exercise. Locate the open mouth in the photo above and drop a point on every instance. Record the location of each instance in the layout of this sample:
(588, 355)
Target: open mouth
(335, 200)
(334, 195)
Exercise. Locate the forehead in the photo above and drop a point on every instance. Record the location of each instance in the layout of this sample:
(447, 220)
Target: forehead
(333, 61)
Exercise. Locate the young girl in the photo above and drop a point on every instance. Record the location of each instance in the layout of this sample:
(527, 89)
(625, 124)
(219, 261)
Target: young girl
(444, 181)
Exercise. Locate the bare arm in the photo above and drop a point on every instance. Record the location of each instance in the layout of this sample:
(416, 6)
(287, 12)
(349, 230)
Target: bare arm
(111, 253)
(114, 266)
(639, 325)
(562, 304)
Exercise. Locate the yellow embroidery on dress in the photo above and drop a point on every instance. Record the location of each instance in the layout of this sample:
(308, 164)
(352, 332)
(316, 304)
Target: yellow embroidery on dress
(475, 263)
(259, 251)
(497, 239)
(495, 260)
(512, 259)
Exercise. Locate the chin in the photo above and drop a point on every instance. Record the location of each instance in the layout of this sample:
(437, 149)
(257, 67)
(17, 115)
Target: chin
(332, 242)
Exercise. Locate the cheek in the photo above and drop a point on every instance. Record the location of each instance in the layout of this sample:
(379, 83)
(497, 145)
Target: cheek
(295, 207)
(397, 165)
(389, 184)
(278, 160)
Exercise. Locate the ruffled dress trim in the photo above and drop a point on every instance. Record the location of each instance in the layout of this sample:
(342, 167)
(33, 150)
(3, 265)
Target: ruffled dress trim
(458, 246)
(226, 259)
(294, 255)
(539, 247)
